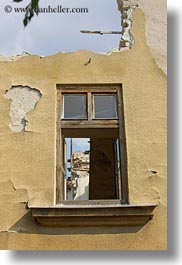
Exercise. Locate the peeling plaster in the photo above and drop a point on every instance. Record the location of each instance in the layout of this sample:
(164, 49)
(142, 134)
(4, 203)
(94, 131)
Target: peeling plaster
(126, 7)
(156, 27)
(39, 152)
(24, 99)
(14, 58)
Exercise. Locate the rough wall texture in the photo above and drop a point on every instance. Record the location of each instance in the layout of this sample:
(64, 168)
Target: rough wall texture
(156, 26)
(156, 29)
(27, 162)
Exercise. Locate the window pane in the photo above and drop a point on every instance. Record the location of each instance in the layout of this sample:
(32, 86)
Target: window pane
(105, 107)
(75, 107)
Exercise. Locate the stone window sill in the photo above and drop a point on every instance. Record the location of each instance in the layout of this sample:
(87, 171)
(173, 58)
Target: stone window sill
(93, 215)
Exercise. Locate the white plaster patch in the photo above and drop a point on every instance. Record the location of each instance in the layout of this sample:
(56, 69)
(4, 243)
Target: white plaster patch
(24, 99)
(126, 7)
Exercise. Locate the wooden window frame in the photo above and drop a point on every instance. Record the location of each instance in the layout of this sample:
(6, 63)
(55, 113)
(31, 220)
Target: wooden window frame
(93, 213)
(90, 123)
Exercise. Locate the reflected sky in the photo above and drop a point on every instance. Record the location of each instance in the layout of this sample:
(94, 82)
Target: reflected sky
(78, 144)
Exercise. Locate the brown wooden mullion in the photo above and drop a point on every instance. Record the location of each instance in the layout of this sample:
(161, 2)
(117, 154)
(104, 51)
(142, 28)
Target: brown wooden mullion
(89, 106)
(123, 161)
(89, 124)
(58, 154)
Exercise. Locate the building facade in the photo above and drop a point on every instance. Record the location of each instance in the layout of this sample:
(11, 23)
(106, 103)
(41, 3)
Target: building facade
(30, 158)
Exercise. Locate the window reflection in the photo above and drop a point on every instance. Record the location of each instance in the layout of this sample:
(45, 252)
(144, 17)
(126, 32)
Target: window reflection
(105, 107)
(75, 107)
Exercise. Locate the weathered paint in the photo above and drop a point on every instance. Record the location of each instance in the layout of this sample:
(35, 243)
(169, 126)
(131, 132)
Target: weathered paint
(24, 99)
(28, 158)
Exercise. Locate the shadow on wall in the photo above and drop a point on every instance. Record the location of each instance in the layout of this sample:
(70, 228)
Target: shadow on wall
(174, 72)
(27, 225)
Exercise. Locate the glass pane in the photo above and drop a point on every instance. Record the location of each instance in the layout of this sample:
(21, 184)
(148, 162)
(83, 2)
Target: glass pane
(75, 107)
(105, 107)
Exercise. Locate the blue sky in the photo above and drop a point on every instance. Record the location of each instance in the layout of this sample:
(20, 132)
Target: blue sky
(51, 33)
(48, 34)
(79, 144)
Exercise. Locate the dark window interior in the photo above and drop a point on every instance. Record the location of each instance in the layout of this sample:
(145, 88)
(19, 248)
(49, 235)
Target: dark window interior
(92, 169)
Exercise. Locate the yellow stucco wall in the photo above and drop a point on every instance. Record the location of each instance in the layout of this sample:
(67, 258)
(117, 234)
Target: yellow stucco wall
(27, 162)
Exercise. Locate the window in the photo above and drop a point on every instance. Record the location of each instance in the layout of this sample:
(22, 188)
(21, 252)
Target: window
(91, 152)
(105, 106)
(91, 166)
(74, 106)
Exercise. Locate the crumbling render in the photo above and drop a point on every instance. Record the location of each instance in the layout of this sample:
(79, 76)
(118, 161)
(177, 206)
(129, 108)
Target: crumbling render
(24, 99)
(126, 7)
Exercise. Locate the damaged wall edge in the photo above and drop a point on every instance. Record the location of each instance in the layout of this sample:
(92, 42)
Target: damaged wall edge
(156, 40)
(126, 7)
(24, 99)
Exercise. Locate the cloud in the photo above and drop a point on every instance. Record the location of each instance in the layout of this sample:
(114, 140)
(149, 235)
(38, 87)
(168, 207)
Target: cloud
(81, 144)
(51, 33)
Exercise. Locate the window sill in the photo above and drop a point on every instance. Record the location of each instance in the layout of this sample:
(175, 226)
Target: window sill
(84, 215)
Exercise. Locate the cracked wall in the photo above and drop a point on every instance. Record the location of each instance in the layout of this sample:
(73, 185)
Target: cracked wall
(28, 160)
(24, 99)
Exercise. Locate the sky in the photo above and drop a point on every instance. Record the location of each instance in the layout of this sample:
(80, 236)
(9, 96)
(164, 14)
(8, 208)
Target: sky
(50, 33)
(78, 144)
